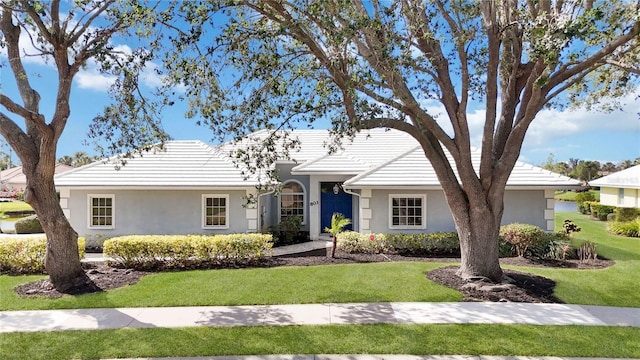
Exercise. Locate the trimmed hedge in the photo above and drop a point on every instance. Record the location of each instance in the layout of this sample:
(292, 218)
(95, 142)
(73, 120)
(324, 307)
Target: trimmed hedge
(585, 207)
(600, 211)
(438, 243)
(583, 197)
(541, 244)
(26, 255)
(355, 242)
(186, 251)
(29, 225)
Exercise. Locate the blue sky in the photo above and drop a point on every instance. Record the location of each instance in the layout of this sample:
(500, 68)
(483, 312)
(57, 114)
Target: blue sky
(567, 134)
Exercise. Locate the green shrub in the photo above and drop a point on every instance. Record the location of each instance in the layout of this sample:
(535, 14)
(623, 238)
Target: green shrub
(585, 207)
(29, 225)
(437, 243)
(354, 242)
(552, 246)
(20, 255)
(521, 236)
(505, 249)
(626, 214)
(581, 198)
(626, 228)
(600, 211)
(186, 251)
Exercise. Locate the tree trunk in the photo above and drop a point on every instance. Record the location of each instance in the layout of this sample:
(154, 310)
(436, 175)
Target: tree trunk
(62, 262)
(478, 231)
(333, 248)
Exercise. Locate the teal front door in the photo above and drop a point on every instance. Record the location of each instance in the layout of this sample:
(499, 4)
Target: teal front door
(333, 199)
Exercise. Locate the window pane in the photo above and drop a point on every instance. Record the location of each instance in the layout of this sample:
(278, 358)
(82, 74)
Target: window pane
(406, 211)
(292, 201)
(101, 211)
(215, 211)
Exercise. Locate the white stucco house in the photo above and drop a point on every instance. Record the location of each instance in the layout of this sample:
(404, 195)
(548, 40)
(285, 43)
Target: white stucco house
(621, 189)
(381, 180)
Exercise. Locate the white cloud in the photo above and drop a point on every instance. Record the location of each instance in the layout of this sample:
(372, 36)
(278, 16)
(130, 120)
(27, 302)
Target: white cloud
(92, 79)
(551, 124)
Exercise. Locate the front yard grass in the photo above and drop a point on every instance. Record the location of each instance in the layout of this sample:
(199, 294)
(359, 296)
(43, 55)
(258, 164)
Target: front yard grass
(613, 286)
(573, 341)
(373, 282)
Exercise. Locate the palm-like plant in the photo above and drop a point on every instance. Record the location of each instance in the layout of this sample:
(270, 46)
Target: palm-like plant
(338, 223)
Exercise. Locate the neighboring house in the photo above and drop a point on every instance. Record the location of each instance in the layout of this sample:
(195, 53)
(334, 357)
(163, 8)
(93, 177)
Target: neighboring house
(381, 180)
(14, 179)
(621, 189)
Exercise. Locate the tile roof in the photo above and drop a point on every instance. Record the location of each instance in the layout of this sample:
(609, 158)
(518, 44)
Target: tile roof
(413, 169)
(15, 175)
(379, 158)
(187, 164)
(628, 178)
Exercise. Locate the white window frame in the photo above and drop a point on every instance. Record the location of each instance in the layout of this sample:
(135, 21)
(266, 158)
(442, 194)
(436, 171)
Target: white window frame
(90, 198)
(423, 197)
(204, 211)
(304, 200)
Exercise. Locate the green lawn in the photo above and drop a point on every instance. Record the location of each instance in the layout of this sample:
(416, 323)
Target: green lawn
(14, 206)
(569, 341)
(373, 282)
(614, 286)
(571, 195)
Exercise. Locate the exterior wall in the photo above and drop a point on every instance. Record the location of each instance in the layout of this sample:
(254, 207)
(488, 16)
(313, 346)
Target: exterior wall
(157, 212)
(524, 206)
(611, 196)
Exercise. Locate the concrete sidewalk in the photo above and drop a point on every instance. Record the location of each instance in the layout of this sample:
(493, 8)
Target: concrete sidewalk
(318, 314)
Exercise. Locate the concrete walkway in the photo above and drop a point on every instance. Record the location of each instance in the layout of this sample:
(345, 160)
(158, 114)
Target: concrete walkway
(318, 314)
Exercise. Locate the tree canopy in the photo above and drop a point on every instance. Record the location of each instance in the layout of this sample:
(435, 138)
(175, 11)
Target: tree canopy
(412, 65)
(67, 35)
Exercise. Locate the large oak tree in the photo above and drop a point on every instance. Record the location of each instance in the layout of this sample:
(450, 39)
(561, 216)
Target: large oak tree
(66, 35)
(386, 63)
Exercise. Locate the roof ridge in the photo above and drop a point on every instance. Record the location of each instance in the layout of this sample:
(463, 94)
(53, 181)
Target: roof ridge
(381, 165)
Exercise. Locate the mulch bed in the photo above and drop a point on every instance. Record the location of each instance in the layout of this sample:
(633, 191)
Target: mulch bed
(521, 287)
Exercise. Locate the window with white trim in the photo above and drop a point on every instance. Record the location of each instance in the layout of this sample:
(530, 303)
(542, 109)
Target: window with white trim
(407, 211)
(101, 211)
(292, 200)
(215, 211)
(620, 196)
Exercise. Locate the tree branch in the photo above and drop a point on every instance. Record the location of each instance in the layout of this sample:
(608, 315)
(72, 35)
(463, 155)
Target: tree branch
(15, 108)
(591, 63)
(623, 66)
